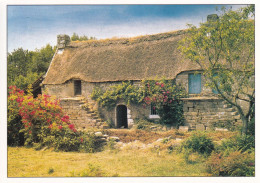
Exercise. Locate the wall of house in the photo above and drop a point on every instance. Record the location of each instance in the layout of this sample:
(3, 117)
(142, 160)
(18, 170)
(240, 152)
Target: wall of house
(199, 109)
(182, 79)
(208, 113)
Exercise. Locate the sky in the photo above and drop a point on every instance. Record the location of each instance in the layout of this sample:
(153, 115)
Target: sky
(32, 27)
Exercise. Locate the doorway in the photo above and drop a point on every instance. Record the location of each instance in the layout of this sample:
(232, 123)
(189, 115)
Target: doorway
(77, 87)
(121, 116)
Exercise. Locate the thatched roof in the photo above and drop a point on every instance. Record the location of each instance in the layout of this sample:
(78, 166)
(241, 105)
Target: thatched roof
(139, 58)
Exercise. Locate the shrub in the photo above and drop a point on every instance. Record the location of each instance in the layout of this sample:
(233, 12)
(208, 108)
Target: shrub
(164, 95)
(234, 164)
(43, 123)
(237, 143)
(198, 142)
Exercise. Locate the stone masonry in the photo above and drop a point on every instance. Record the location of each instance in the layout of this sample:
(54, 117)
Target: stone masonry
(82, 113)
(205, 112)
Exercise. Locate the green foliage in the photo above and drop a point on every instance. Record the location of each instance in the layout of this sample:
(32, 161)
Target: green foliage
(76, 37)
(24, 67)
(198, 142)
(224, 50)
(164, 94)
(143, 124)
(15, 137)
(234, 164)
(237, 143)
(126, 91)
(50, 171)
(90, 171)
(40, 122)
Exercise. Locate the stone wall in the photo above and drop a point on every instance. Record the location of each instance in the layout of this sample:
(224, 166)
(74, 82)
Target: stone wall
(207, 112)
(182, 79)
(204, 109)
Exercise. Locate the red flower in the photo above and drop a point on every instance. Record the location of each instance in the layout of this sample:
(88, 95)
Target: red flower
(71, 126)
(81, 140)
(30, 132)
(60, 127)
(162, 85)
(48, 120)
(30, 103)
(50, 126)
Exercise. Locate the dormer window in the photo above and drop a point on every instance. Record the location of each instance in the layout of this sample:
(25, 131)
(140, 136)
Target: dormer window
(77, 87)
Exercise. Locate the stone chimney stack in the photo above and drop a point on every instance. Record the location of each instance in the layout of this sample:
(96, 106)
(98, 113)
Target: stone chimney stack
(212, 17)
(62, 41)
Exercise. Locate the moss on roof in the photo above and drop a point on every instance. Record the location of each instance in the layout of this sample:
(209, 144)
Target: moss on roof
(137, 58)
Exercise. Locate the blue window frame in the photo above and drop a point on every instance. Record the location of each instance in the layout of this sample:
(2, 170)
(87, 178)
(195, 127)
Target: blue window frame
(194, 83)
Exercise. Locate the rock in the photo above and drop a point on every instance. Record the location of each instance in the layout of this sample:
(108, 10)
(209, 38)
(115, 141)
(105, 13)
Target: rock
(114, 138)
(105, 136)
(221, 129)
(159, 140)
(178, 139)
(200, 127)
(184, 128)
(98, 134)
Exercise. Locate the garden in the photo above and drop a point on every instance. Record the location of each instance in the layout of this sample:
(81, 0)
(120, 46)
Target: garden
(39, 130)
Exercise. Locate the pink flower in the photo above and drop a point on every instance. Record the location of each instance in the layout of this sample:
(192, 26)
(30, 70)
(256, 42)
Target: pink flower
(30, 103)
(162, 85)
(71, 126)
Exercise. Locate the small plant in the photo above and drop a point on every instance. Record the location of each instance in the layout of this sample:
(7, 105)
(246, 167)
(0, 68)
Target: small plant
(110, 123)
(90, 171)
(237, 143)
(50, 171)
(234, 164)
(198, 142)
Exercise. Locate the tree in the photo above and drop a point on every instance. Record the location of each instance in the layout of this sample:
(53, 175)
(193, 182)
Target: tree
(24, 67)
(76, 37)
(224, 49)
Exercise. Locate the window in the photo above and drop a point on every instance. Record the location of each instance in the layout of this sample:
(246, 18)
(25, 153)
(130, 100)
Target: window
(77, 87)
(153, 112)
(194, 83)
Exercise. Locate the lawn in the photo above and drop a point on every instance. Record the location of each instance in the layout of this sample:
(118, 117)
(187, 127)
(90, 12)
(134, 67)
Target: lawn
(126, 162)
(26, 162)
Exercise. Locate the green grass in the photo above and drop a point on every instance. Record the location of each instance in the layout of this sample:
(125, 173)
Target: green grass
(26, 162)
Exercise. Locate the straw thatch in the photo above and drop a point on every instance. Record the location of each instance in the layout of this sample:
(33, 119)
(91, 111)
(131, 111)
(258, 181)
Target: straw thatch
(139, 58)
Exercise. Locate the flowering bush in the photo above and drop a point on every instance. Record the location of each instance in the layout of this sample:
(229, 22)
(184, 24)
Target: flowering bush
(163, 94)
(34, 116)
(165, 97)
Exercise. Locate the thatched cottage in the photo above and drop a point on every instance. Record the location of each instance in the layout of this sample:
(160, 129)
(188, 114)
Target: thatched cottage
(77, 67)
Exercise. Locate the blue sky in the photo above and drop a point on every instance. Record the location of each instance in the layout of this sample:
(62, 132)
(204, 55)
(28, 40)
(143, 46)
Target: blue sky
(32, 27)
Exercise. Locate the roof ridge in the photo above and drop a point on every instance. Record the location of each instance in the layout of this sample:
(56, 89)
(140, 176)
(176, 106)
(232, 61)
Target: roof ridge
(125, 40)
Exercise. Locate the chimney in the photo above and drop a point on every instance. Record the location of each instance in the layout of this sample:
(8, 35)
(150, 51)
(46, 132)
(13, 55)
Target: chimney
(62, 41)
(212, 17)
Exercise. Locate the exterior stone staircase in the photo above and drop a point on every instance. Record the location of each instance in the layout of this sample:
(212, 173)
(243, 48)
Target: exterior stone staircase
(209, 112)
(82, 112)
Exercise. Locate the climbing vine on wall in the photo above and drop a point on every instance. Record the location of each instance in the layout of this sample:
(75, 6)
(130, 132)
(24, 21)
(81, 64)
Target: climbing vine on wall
(163, 94)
